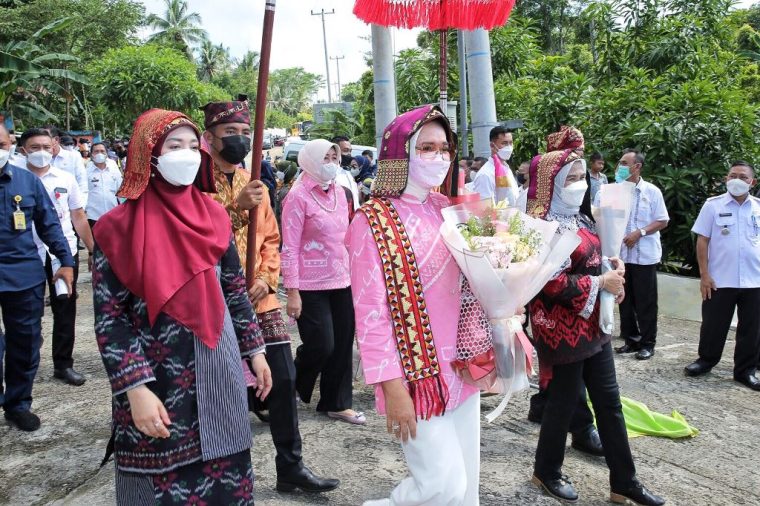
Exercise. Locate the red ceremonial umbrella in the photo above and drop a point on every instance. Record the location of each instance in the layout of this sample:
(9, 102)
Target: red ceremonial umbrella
(436, 15)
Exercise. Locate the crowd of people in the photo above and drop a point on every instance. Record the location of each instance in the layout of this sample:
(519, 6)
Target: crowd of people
(190, 349)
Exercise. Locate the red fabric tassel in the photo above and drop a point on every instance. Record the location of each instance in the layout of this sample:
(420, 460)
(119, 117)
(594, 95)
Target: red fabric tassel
(435, 14)
(430, 396)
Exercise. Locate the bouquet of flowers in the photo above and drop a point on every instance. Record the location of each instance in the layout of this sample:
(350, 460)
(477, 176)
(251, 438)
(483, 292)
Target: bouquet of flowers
(507, 258)
(611, 218)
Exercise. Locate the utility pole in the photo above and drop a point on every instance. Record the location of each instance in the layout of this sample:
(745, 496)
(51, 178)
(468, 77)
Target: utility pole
(323, 13)
(337, 68)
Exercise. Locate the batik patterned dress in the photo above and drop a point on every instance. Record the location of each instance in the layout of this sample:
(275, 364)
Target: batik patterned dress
(206, 458)
(565, 314)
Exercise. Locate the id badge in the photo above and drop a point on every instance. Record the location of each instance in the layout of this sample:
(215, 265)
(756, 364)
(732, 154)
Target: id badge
(19, 220)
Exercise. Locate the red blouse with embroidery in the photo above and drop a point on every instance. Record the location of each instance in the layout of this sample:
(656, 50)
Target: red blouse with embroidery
(565, 314)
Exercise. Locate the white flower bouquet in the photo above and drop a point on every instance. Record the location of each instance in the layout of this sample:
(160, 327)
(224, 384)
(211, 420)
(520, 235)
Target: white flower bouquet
(507, 258)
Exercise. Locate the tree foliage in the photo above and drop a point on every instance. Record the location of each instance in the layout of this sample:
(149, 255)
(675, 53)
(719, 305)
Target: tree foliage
(130, 80)
(177, 28)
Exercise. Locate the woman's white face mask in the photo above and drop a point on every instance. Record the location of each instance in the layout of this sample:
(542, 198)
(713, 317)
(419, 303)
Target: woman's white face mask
(179, 167)
(326, 172)
(572, 195)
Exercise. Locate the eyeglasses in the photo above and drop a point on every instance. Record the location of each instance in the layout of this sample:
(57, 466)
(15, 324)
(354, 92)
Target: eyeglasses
(428, 151)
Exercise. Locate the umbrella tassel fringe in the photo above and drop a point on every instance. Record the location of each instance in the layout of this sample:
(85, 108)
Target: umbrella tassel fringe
(435, 14)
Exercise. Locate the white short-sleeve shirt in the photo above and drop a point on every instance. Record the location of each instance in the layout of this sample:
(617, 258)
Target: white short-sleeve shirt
(733, 255)
(65, 195)
(648, 206)
(73, 163)
(103, 184)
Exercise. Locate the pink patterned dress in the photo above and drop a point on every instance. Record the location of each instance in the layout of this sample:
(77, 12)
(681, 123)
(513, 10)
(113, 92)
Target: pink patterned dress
(440, 278)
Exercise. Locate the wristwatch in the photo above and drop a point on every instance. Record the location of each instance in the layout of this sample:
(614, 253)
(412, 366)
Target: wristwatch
(643, 232)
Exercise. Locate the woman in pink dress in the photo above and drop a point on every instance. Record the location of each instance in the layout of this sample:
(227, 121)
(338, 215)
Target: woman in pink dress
(407, 300)
(315, 273)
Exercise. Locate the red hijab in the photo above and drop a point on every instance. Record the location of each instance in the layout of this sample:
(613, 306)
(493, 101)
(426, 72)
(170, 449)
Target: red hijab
(164, 243)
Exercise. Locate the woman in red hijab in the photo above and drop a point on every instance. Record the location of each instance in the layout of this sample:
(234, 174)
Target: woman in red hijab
(172, 319)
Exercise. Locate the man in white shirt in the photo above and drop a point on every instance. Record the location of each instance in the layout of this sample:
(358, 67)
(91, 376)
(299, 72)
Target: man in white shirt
(104, 180)
(641, 251)
(728, 252)
(484, 182)
(69, 161)
(67, 201)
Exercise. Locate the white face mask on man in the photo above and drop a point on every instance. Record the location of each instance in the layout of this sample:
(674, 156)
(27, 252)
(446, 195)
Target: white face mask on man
(737, 187)
(4, 155)
(39, 159)
(505, 153)
(179, 167)
(99, 158)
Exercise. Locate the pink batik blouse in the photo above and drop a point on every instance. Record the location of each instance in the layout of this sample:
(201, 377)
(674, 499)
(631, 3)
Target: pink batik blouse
(314, 224)
(440, 277)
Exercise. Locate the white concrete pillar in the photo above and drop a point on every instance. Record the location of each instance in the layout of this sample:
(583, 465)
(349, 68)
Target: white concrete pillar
(385, 80)
(482, 99)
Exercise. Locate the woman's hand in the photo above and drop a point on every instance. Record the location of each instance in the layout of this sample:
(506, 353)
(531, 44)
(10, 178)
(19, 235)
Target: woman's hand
(620, 297)
(612, 281)
(263, 375)
(294, 303)
(618, 265)
(148, 412)
(400, 417)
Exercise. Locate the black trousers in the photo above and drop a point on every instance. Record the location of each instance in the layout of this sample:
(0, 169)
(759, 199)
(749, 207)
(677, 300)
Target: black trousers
(582, 420)
(565, 388)
(717, 313)
(327, 330)
(283, 412)
(20, 345)
(64, 319)
(638, 311)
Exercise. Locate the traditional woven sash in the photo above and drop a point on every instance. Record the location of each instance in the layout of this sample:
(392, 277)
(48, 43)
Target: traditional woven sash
(411, 323)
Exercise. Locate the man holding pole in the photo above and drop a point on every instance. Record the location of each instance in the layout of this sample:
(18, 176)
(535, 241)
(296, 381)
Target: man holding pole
(228, 132)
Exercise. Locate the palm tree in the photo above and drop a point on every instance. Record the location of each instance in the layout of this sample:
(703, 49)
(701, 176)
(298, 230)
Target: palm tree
(212, 60)
(178, 27)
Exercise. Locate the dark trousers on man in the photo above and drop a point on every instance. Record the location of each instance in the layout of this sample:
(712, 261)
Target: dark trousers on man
(326, 327)
(283, 412)
(64, 319)
(566, 387)
(638, 311)
(717, 313)
(20, 345)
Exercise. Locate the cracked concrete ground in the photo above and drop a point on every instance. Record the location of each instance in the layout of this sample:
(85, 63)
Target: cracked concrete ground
(59, 464)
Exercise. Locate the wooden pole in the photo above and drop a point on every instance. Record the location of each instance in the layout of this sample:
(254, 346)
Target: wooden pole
(258, 135)
(443, 38)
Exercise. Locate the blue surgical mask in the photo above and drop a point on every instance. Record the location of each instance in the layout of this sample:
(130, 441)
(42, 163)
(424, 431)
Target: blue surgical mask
(622, 173)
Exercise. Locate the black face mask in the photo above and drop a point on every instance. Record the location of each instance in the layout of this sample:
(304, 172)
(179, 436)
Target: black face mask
(234, 148)
(345, 160)
(521, 178)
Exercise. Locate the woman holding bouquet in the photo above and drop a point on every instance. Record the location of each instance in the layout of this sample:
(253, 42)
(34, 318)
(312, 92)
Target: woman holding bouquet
(571, 349)
(407, 299)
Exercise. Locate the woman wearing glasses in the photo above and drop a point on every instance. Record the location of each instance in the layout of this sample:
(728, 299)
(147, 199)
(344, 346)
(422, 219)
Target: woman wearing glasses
(407, 299)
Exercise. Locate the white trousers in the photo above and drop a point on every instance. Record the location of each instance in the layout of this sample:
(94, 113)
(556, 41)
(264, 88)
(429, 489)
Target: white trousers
(443, 461)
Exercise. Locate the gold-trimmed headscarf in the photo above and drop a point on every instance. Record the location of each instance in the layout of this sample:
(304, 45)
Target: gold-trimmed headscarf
(395, 149)
(543, 170)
